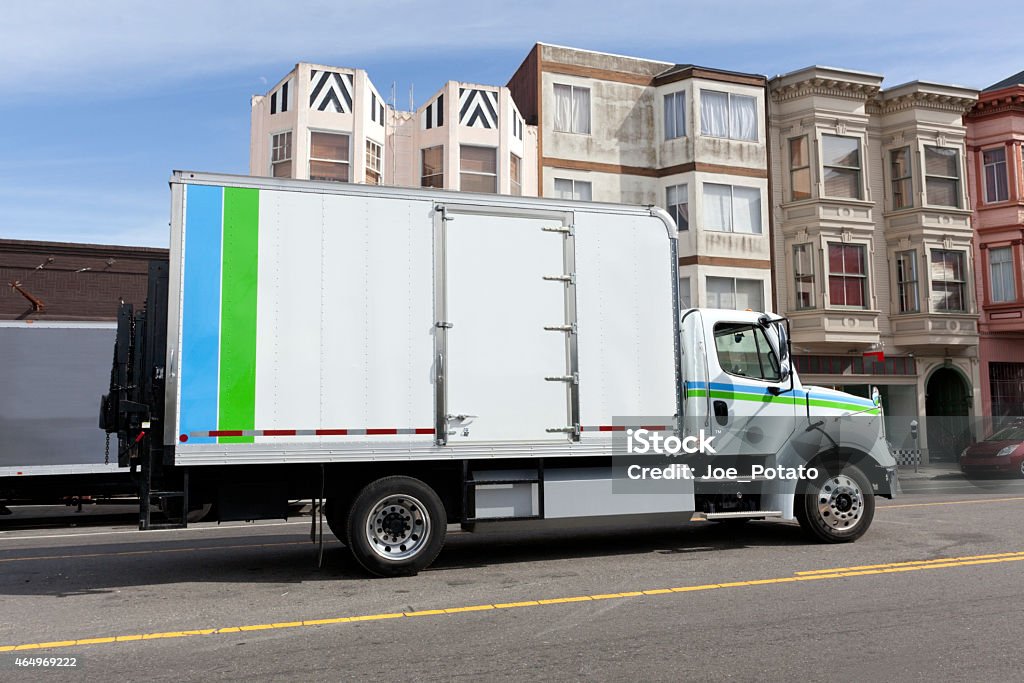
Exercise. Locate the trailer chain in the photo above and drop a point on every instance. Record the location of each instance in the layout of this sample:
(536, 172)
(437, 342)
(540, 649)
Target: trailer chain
(106, 451)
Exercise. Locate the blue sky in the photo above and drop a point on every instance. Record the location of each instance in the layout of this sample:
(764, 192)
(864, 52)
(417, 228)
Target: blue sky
(101, 100)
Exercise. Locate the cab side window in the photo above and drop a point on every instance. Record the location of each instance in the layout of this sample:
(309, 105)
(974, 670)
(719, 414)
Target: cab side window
(743, 350)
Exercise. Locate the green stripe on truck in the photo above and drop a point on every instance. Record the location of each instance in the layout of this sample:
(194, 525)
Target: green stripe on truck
(237, 408)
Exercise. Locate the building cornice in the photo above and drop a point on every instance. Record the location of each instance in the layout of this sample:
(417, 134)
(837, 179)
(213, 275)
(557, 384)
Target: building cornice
(922, 99)
(826, 87)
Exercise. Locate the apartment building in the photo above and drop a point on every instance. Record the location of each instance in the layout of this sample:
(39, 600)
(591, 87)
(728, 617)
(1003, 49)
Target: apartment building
(874, 263)
(331, 124)
(689, 139)
(995, 141)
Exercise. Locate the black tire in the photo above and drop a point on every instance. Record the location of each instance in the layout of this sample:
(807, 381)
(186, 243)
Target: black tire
(408, 526)
(838, 506)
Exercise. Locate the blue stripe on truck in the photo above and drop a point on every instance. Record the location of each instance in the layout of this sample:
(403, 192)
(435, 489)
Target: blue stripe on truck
(200, 319)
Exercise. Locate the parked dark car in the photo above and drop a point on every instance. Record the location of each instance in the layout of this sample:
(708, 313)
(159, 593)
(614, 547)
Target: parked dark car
(1002, 452)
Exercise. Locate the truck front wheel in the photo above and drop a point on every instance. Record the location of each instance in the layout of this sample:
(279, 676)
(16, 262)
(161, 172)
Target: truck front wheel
(837, 507)
(396, 526)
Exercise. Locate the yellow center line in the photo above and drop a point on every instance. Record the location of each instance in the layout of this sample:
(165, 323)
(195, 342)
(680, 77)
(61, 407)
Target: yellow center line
(125, 553)
(813, 575)
(911, 563)
(949, 502)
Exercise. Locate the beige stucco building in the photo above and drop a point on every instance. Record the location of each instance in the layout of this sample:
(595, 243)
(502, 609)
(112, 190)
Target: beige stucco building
(873, 244)
(689, 139)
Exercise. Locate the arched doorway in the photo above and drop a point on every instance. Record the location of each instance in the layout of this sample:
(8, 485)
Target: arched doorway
(947, 407)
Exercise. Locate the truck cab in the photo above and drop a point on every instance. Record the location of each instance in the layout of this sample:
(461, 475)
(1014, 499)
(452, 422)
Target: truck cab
(804, 452)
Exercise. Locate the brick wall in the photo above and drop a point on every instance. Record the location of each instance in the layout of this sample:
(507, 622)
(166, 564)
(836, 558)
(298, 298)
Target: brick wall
(75, 282)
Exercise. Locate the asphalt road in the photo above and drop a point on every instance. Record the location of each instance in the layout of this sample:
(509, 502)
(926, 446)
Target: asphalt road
(942, 598)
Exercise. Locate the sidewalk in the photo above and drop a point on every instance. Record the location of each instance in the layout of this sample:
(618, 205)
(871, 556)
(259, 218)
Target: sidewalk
(935, 470)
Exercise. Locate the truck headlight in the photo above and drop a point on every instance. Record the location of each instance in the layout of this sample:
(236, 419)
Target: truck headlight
(1007, 450)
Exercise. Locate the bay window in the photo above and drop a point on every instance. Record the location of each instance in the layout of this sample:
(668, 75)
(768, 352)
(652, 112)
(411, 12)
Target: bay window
(948, 281)
(728, 115)
(942, 176)
(1001, 275)
(675, 115)
(996, 184)
(732, 208)
(803, 275)
(735, 293)
(677, 204)
(842, 166)
(329, 157)
(902, 181)
(847, 275)
(799, 169)
(907, 289)
(478, 169)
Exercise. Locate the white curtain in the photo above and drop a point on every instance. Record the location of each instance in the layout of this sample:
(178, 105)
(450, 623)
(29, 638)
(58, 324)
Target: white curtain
(714, 113)
(717, 207)
(749, 294)
(743, 121)
(563, 188)
(582, 190)
(563, 107)
(675, 116)
(1001, 272)
(581, 110)
(720, 292)
(746, 202)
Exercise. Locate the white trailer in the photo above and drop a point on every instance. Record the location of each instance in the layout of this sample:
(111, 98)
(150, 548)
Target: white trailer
(50, 449)
(423, 357)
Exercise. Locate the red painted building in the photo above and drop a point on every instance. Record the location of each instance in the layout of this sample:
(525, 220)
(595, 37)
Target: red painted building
(995, 143)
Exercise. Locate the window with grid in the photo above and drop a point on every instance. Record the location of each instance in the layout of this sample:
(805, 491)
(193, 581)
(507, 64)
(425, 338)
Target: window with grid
(942, 176)
(728, 115)
(677, 203)
(847, 275)
(803, 275)
(281, 155)
(840, 157)
(374, 163)
(566, 188)
(515, 172)
(902, 181)
(907, 288)
(948, 281)
(732, 208)
(799, 169)
(1006, 382)
(478, 169)
(329, 157)
(996, 185)
(675, 115)
(1001, 275)
(432, 167)
(572, 109)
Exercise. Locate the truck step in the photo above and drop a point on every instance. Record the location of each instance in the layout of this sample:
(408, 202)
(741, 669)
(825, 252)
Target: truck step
(755, 514)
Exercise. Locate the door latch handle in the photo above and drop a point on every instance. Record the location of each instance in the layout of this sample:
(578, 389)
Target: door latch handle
(721, 413)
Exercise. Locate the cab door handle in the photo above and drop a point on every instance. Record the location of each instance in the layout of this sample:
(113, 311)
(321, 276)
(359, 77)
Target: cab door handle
(721, 413)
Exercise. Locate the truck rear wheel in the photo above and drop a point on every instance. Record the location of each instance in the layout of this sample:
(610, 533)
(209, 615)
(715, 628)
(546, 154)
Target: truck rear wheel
(837, 507)
(396, 526)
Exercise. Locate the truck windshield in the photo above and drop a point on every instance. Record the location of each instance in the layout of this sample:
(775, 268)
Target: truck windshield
(743, 350)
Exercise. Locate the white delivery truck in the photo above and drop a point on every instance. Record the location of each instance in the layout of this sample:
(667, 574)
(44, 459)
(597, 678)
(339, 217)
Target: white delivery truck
(420, 358)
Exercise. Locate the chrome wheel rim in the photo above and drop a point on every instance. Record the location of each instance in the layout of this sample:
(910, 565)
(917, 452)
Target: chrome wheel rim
(398, 527)
(840, 503)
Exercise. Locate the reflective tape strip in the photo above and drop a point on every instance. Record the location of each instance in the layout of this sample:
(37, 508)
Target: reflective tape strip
(622, 428)
(314, 432)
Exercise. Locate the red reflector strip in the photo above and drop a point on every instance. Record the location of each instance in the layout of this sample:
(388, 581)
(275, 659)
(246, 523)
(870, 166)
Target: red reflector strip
(310, 432)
